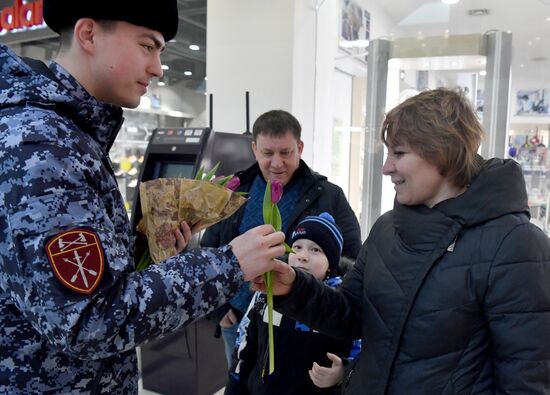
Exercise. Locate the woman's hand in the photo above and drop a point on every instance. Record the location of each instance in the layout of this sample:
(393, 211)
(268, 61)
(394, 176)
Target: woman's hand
(282, 279)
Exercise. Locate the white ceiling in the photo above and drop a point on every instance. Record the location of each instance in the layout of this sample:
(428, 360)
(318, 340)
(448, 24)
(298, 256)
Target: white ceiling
(526, 19)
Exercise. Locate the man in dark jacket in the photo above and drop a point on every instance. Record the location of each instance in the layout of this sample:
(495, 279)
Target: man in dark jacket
(278, 147)
(72, 307)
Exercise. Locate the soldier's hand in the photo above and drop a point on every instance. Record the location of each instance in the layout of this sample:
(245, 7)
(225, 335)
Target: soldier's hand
(281, 281)
(183, 236)
(256, 248)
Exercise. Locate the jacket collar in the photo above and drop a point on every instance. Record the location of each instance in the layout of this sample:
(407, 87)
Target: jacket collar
(30, 82)
(101, 120)
(497, 190)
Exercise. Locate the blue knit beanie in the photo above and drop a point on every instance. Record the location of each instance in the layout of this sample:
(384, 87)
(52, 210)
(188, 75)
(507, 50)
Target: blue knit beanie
(322, 230)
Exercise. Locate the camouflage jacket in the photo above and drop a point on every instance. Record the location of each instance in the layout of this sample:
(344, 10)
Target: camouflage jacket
(72, 308)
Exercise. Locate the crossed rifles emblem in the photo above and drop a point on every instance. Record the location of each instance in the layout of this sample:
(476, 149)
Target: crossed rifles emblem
(77, 259)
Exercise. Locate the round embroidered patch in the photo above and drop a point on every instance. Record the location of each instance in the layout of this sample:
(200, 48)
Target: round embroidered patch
(77, 259)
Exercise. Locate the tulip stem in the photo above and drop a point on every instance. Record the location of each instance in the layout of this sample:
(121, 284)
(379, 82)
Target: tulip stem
(269, 286)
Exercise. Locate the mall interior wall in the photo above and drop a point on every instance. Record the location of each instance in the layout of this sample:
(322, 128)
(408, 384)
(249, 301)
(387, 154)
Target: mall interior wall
(285, 54)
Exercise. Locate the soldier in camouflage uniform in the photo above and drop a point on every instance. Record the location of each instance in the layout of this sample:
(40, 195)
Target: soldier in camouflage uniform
(72, 308)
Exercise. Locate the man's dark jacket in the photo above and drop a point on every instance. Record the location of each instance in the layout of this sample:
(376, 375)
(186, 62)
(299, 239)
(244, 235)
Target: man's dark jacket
(318, 195)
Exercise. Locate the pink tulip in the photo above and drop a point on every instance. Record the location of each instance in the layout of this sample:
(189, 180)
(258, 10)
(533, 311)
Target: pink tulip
(233, 184)
(276, 191)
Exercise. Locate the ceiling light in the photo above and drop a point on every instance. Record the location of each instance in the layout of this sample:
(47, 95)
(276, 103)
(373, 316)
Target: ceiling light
(165, 67)
(161, 83)
(548, 18)
(483, 73)
(450, 1)
(144, 102)
(478, 12)
(187, 73)
(194, 47)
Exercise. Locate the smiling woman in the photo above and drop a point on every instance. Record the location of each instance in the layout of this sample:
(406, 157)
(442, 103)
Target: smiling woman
(453, 279)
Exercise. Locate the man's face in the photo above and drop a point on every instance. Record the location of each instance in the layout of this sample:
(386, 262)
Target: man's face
(278, 157)
(125, 60)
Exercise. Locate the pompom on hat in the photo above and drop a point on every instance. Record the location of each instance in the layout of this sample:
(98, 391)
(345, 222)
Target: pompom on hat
(160, 15)
(322, 230)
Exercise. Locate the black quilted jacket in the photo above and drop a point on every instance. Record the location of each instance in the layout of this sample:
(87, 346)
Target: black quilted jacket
(449, 300)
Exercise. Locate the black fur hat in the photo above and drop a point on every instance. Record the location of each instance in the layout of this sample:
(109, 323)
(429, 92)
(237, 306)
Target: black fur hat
(160, 15)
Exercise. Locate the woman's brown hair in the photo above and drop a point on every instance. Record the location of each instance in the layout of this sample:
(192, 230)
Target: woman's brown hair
(441, 126)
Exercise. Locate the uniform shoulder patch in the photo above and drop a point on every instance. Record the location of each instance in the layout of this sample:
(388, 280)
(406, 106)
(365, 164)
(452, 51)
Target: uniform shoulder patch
(77, 259)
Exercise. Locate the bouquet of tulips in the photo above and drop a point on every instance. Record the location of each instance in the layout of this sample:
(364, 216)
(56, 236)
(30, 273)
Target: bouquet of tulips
(272, 215)
(165, 202)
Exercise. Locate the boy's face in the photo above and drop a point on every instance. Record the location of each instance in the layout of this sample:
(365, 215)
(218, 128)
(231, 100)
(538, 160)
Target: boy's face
(309, 257)
(126, 59)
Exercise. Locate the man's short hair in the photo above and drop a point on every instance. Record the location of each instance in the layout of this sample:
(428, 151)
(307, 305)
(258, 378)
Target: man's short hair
(276, 123)
(160, 15)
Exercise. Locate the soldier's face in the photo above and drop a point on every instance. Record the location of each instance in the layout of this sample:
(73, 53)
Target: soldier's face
(126, 59)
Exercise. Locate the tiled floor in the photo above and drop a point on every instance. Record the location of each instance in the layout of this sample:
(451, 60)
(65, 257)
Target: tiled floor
(146, 392)
(142, 391)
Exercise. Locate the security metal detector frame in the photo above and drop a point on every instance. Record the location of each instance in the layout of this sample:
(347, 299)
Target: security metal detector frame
(495, 45)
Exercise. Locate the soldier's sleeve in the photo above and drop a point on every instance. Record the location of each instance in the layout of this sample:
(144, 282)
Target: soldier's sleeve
(66, 260)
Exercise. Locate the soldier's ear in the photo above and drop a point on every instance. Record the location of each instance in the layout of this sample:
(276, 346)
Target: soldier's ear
(84, 34)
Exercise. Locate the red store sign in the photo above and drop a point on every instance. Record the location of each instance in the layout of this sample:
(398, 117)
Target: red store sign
(21, 16)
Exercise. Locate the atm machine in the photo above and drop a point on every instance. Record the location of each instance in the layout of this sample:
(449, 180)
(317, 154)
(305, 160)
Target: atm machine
(189, 361)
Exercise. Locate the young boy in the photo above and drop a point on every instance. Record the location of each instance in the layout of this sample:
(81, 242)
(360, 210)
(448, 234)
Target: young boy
(317, 244)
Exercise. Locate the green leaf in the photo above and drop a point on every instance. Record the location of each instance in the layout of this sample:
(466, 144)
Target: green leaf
(200, 173)
(267, 203)
(289, 249)
(211, 173)
(276, 220)
(224, 180)
(144, 261)
(240, 193)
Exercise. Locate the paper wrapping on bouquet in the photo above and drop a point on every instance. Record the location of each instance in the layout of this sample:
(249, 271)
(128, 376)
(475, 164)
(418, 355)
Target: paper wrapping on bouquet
(165, 202)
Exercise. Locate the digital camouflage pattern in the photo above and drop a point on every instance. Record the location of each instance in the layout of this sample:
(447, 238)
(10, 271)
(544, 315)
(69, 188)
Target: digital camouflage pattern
(54, 177)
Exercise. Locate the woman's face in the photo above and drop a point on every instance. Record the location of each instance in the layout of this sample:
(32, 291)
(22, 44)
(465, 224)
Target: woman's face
(416, 180)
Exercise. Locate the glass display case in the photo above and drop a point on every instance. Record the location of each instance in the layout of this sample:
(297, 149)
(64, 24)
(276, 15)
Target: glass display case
(528, 144)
